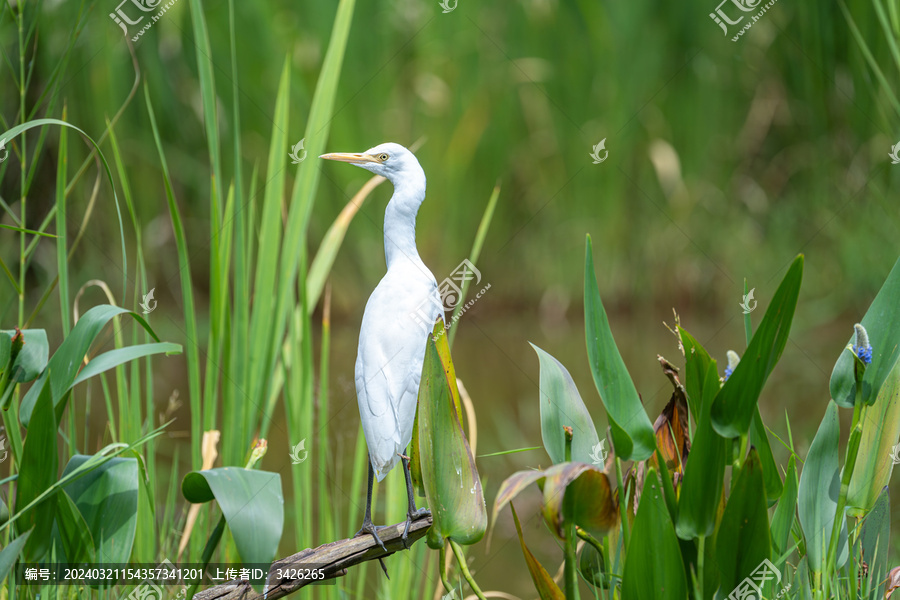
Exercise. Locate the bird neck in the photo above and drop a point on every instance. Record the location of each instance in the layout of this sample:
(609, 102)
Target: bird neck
(400, 222)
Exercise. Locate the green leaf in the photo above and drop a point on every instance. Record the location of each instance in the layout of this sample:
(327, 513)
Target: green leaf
(880, 431)
(561, 406)
(653, 564)
(759, 439)
(252, 503)
(74, 532)
(632, 432)
(882, 323)
(10, 554)
(32, 358)
(37, 472)
(543, 582)
(21, 362)
(875, 541)
(67, 360)
(820, 486)
(107, 498)
(783, 519)
(704, 471)
(734, 407)
(743, 538)
(449, 476)
(114, 358)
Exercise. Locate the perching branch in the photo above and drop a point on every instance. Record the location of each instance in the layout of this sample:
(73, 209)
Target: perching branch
(334, 558)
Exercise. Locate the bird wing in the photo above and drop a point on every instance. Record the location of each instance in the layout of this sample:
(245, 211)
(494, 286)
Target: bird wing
(389, 364)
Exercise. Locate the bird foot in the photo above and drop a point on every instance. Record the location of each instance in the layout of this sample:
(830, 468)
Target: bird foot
(410, 517)
(370, 528)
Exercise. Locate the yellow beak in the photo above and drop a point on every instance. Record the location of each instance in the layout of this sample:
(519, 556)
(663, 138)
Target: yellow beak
(350, 157)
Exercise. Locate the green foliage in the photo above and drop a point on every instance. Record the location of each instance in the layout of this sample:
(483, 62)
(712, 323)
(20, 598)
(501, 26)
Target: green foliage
(456, 501)
(561, 406)
(653, 565)
(882, 322)
(632, 432)
(252, 503)
(735, 405)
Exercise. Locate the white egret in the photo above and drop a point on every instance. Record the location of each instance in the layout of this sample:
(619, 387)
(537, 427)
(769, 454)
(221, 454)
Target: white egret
(392, 339)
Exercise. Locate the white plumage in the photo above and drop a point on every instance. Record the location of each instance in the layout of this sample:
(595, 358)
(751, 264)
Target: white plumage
(398, 318)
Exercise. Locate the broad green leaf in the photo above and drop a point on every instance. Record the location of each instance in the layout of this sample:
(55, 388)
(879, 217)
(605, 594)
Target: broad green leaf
(588, 487)
(734, 407)
(632, 431)
(875, 539)
(817, 495)
(114, 358)
(32, 358)
(449, 476)
(882, 323)
(653, 564)
(543, 581)
(561, 406)
(74, 532)
(443, 350)
(10, 554)
(880, 432)
(704, 471)
(107, 498)
(252, 503)
(759, 439)
(38, 471)
(783, 519)
(21, 361)
(68, 358)
(743, 540)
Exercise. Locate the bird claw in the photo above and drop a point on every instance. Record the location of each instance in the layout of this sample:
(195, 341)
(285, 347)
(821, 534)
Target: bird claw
(371, 529)
(410, 517)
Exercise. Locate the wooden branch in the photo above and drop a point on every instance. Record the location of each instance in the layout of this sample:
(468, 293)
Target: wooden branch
(334, 558)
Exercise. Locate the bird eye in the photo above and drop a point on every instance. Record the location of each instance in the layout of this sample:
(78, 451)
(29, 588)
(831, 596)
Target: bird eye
(383, 157)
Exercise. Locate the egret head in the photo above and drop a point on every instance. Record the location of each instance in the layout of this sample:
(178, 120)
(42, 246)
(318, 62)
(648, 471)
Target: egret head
(391, 161)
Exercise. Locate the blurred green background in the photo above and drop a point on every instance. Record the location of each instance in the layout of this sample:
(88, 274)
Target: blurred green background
(725, 160)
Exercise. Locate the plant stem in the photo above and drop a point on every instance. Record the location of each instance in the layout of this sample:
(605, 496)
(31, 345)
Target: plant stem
(442, 569)
(211, 545)
(571, 575)
(464, 569)
(701, 549)
(859, 413)
(623, 506)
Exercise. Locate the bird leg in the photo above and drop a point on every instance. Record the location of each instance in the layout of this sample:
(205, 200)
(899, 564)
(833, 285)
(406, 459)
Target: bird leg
(368, 526)
(412, 514)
